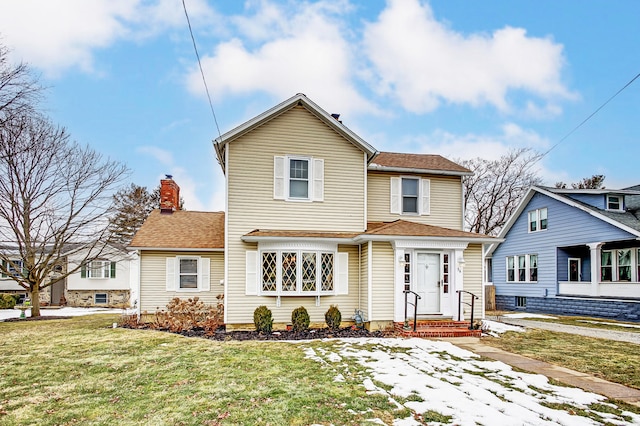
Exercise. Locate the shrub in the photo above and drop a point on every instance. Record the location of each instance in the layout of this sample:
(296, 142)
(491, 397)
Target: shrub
(184, 315)
(333, 317)
(7, 301)
(300, 319)
(262, 319)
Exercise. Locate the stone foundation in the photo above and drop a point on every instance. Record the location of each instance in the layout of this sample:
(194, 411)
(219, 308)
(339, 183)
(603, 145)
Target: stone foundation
(622, 310)
(86, 298)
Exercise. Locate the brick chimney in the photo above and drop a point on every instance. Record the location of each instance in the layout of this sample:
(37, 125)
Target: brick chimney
(169, 195)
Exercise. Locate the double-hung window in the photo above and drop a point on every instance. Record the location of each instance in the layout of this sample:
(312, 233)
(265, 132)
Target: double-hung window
(98, 269)
(522, 268)
(410, 195)
(614, 202)
(618, 265)
(298, 178)
(188, 273)
(538, 220)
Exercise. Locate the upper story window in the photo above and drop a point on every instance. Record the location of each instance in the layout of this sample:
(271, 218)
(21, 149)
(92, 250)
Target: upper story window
(98, 269)
(298, 178)
(538, 220)
(188, 273)
(614, 202)
(410, 196)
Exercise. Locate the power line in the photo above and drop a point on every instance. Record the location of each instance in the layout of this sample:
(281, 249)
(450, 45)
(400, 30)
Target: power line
(590, 116)
(204, 80)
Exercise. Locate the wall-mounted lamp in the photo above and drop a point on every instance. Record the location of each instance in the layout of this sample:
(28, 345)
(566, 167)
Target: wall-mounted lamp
(401, 260)
(461, 263)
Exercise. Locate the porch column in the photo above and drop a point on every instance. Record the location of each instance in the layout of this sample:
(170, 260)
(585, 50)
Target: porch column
(398, 284)
(456, 269)
(594, 251)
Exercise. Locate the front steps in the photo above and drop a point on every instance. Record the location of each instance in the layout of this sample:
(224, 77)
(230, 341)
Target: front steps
(437, 328)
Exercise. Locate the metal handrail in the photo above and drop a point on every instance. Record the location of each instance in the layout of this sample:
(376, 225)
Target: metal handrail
(415, 309)
(460, 302)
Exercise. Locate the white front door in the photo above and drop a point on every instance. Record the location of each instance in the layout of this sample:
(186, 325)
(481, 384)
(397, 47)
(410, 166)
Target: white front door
(427, 283)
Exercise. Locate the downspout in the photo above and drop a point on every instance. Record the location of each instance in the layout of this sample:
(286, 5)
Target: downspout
(139, 285)
(360, 276)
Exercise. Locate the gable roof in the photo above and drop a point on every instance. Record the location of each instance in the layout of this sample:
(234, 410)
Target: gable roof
(417, 163)
(625, 221)
(300, 99)
(181, 230)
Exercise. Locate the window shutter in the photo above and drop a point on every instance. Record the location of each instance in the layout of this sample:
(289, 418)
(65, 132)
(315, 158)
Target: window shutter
(396, 195)
(83, 271)
(318, 179)
(4, 267)
(425, 204)
(171, 274)
(342, 286)
(205, 275)
(252, 273)
(113, 270)
(278, 178)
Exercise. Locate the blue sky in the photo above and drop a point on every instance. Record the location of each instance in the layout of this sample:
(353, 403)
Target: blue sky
(458, 78)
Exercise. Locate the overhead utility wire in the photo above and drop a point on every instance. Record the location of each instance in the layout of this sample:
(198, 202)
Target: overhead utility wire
(589, 117)
(204, 80)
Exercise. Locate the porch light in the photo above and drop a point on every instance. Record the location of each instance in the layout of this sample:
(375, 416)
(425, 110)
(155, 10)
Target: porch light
(401, 260)
(461, 263)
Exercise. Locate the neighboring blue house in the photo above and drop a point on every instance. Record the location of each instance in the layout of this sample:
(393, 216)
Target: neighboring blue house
(570, 251)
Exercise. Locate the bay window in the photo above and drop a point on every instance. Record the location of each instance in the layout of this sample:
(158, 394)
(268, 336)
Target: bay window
(297, 272)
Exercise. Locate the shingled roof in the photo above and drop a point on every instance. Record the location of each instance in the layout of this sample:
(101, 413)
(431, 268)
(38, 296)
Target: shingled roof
(181, 229)
(418, 163)
(404, 228)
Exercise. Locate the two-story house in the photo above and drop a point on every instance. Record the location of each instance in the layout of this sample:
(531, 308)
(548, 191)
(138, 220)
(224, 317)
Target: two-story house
(571, 251)
(316, 216)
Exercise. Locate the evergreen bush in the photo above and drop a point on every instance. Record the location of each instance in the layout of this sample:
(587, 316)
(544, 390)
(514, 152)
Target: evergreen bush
(263, 319)
(333, 317)
(300, 319)
(7, 301)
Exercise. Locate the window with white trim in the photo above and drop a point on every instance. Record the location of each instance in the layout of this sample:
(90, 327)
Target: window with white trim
(14, 267)
(615, 202)
(297, 272)
(298, 178)
(618, 265)
(188, 273)
(538, 220)
(410, 195)
(100, 298)
(522, 268)
(98, 269)
(575, 266)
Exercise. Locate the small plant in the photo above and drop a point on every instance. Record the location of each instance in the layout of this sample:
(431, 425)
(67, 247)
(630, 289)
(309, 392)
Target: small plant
(263, 319)
(333, 317)
(7, 301)
(184, 315)
(300, 319)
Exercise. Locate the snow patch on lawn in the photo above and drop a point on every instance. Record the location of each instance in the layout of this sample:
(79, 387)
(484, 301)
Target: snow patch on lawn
(431, 376)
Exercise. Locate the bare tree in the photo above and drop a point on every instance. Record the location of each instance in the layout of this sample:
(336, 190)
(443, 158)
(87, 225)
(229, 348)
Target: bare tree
(492, 194)
(54, 199)
(19, 88)
(593, 182)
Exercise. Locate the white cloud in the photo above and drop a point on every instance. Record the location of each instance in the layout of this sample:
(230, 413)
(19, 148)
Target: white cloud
(57, 35)
(286, 49)
(422, 62)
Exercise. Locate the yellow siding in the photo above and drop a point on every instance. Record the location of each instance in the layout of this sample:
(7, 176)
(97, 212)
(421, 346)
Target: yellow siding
(250, 205)
(383, 282)
(473, 277)
(153, 294)
(446, 200)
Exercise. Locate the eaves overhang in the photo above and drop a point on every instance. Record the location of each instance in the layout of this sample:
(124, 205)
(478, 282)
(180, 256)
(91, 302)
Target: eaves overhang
(479, 240)
(271, 239)
(180, 249)
(379, 168)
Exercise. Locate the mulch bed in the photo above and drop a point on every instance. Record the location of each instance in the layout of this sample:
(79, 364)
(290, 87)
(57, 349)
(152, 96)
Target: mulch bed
(40, 318)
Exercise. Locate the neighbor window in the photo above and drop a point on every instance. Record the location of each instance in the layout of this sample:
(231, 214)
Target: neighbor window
(297, 272)
(624, 265)
(614, 202)
(100, 298)
(618, 265)
(188, 273)
(98, 269)
(606, 266)
(522, 268)
(521, 302)
(410, 195)
(574, 269)
(538, 220)
(15, 268)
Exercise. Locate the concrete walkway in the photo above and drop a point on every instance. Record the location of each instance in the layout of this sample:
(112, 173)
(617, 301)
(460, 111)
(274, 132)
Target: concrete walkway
(561, 374)
(600, 333)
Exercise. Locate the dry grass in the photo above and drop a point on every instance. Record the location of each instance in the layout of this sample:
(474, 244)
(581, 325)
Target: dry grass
(82, 371)
(617, 362)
